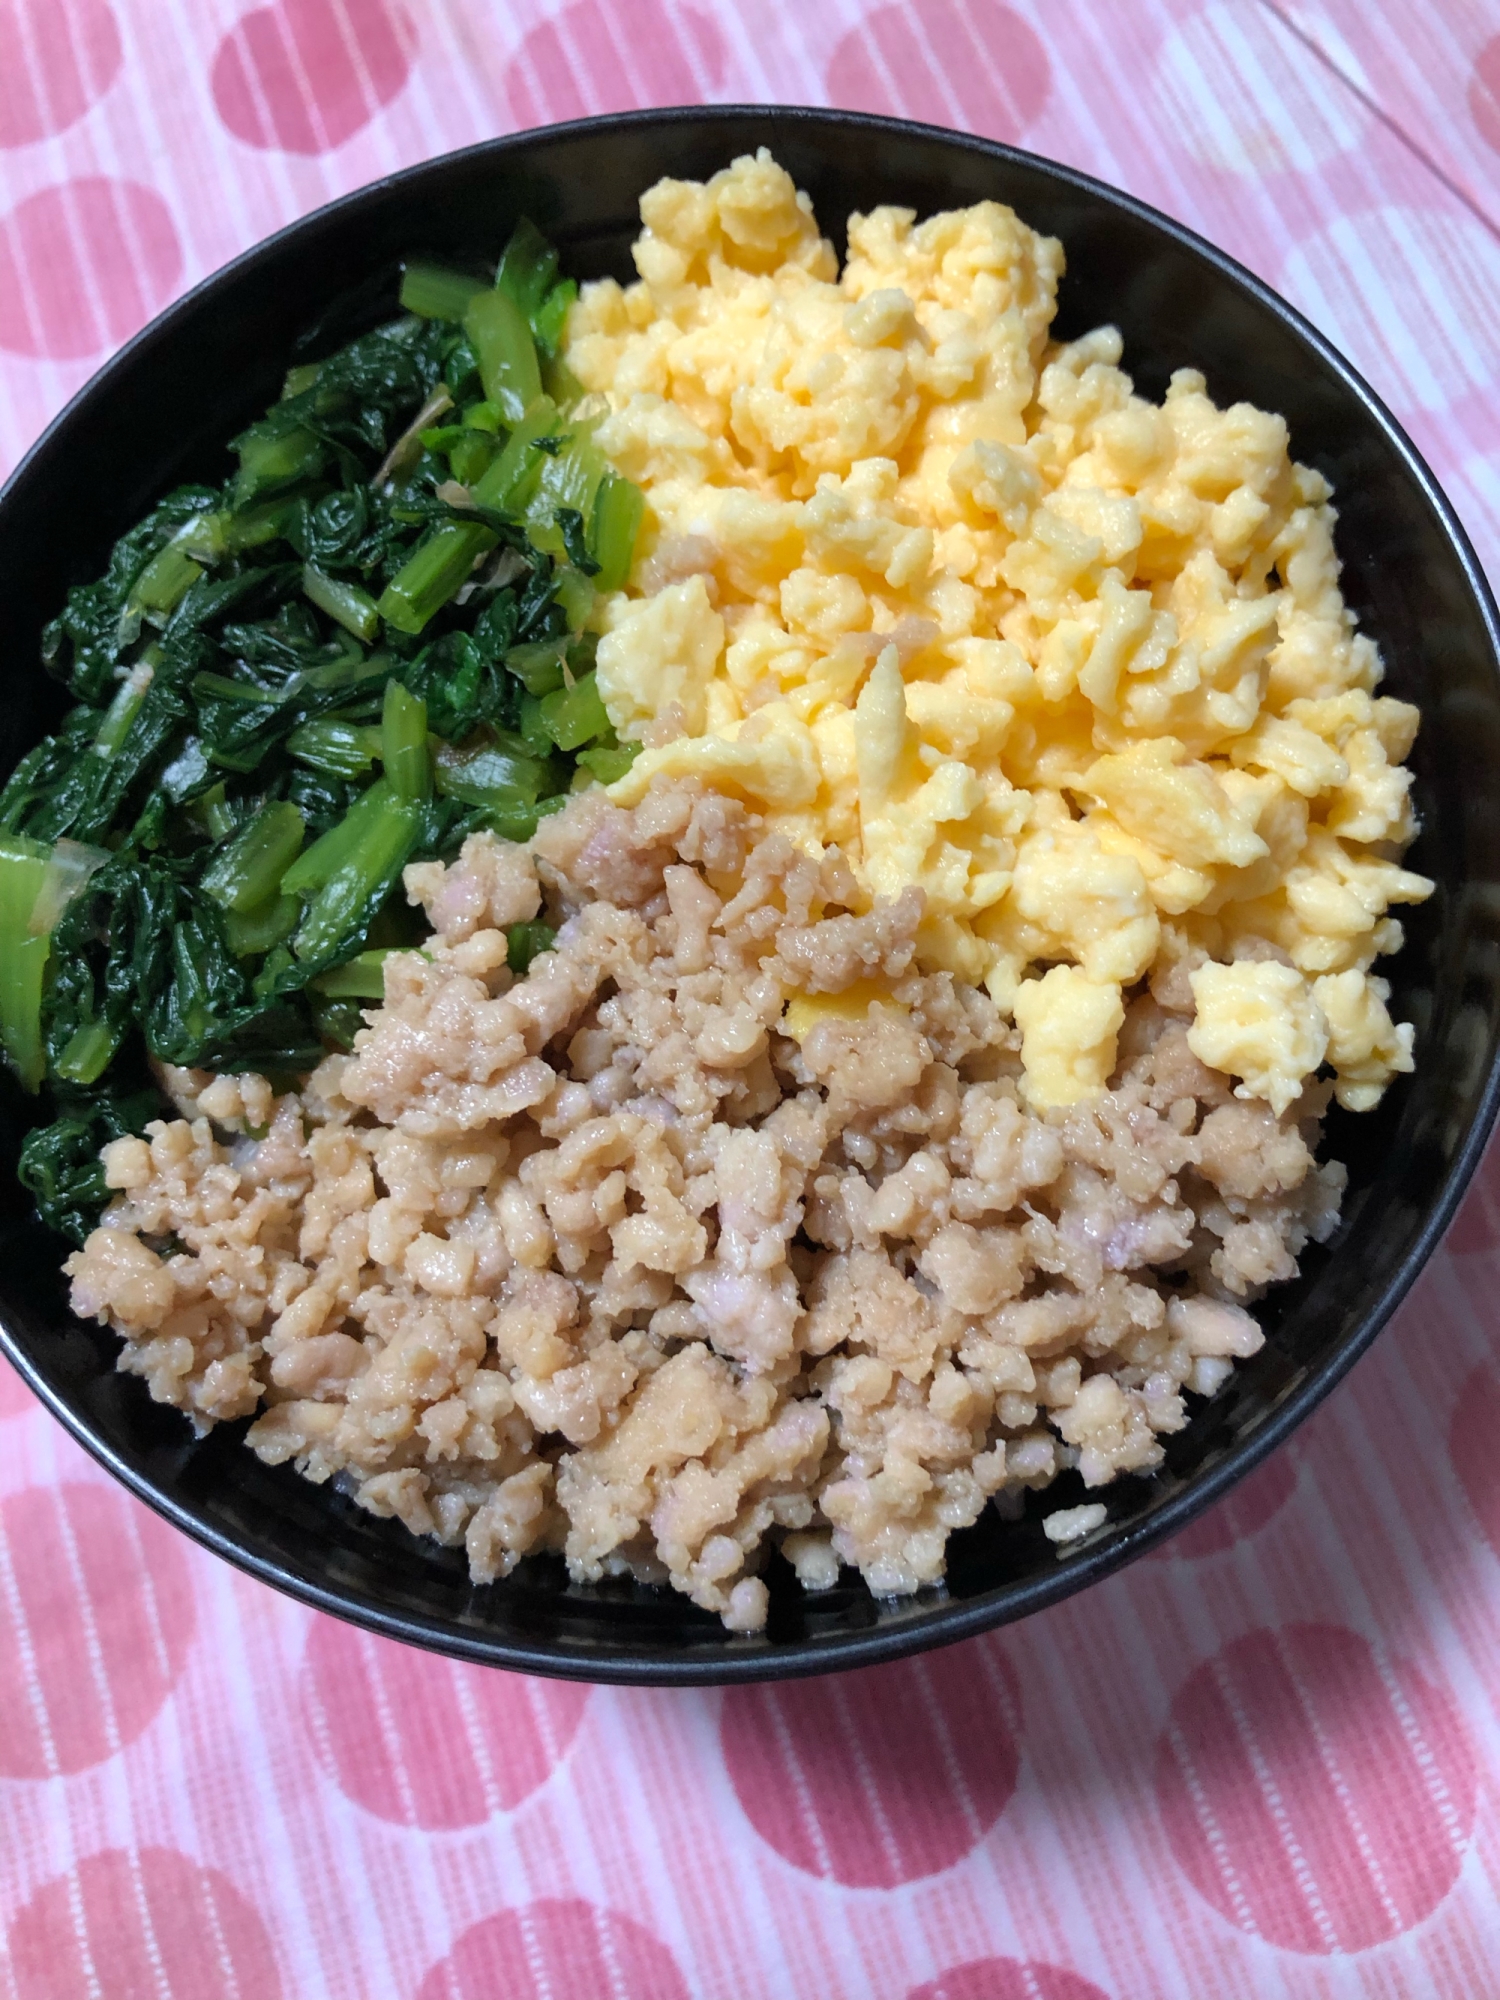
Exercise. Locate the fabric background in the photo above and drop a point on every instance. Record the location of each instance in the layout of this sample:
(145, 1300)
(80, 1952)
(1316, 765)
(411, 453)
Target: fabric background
(1261, 1762)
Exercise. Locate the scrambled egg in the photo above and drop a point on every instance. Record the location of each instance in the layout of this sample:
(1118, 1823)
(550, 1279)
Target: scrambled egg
(1068, 1025)
(805, 1010)
(917, 581)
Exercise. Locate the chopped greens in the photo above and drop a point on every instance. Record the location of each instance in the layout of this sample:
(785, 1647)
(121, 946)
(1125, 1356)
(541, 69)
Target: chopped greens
(364, 644)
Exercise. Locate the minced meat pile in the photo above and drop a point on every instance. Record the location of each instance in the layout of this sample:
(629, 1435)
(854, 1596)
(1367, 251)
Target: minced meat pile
(722, 1229)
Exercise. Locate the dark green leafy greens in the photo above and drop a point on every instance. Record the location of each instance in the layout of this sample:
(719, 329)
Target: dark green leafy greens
(363, 645)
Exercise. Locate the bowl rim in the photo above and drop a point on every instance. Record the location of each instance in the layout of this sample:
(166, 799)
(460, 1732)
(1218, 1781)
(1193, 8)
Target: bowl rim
(931, 1623)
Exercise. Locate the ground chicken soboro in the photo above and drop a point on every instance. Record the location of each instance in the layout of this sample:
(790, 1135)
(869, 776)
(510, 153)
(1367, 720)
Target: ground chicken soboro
(724, 1227)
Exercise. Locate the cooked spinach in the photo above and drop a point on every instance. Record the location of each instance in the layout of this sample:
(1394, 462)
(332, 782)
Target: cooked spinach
(363, 644)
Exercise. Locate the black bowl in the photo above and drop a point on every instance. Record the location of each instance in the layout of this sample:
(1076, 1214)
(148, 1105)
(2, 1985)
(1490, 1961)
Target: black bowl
(160, 412)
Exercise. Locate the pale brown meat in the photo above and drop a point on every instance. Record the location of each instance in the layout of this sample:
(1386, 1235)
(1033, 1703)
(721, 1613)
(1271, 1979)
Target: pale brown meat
(602, 1260)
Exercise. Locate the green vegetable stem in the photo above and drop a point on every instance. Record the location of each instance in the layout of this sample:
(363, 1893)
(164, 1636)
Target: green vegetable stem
(437, 293)
(618, 507)
(346, 603)
(248, 872)
(350, 871)
(501, 340)
(440, 567)
(573, 716)
(23, 957)
(403, 744)
(524, 942)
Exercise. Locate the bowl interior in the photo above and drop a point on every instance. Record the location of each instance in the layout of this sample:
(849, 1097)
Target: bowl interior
(160, 413)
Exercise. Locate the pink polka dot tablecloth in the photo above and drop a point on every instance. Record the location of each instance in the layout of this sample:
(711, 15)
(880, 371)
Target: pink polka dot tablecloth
(1261, 1762)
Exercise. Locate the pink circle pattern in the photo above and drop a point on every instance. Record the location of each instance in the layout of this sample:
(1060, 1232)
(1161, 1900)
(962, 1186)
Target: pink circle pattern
(880, 1776)
(426, 1742)
(305, 75)
(132, 1922)
(1241, 1513)
(557, 1950)
(1007, 1979)
(951, 62)
(1317, 1795)
(614, 55)
(83, 265)
(96, 1618)
(1471, 1447)
(1484, 93)
(61, 57)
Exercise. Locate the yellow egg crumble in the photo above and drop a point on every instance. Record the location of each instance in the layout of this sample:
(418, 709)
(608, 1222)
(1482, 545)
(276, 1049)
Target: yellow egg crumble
(920, 582)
